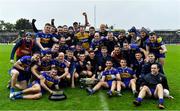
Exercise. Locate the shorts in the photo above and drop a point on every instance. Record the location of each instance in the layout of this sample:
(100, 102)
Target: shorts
(23, 75)
(36, 82)
(152, 91)
(126, 83)
(109, 83)
(158, 55)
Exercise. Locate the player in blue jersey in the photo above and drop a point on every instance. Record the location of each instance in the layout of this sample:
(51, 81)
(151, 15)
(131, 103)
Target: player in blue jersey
(47, 82)
(45, 65)
(96, 43)
(21, 72)
(62, 66)
(43, 39)
(128, 77)
(108, 79)
(54, 51)
(155, 45)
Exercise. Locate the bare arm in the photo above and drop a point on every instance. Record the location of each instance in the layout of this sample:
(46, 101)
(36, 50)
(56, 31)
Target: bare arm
(18, 65)
(42, 82)
(39, 43)
(35, 71)
(65, 73)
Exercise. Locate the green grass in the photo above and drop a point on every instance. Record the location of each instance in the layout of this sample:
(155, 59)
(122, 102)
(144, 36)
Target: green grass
(78, 99)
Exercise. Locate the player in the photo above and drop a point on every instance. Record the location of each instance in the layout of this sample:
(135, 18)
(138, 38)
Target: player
(62, 66)
(155, 45)
(108, 79)
(83, 38)
(153, 85)
(128, 77)
(43, 39)
(21, 72)
(83, 68)
(23, 47)
(47, 82)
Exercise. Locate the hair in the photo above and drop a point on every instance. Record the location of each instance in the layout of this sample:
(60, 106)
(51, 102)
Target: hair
(156, 65)
(138, 52)
(116, 46)
(75, 23)
(103, 47)
(91, 27)
(151, 54)
(70, 27)
(91, 51)
(54, 68)
(37, 52)
(59, 27)
(48, 53)
(65, 26)
(109, 60)
(48, 24)
(123, 60)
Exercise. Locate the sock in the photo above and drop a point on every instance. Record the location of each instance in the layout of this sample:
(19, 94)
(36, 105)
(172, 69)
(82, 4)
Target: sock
(11, 90)
(134, 91)
(110, 91)
(19, 93)
(19, 97)
(92, 91)
(139, 99)
(161, 100)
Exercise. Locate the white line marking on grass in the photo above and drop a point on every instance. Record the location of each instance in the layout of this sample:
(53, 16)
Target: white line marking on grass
(103, 101)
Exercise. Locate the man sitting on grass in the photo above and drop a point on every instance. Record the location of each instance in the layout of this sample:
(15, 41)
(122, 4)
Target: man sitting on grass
(108, 79)
(153, 85)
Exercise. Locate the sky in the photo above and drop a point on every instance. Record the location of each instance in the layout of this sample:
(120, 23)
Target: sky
(122, 14)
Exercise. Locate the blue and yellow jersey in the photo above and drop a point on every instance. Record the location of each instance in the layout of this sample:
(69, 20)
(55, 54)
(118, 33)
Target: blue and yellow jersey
(45, 65)
(60, 66)
(49, 81)
(84, 39)
(126, 73)
(155, 46)
(110, 74)
(26, 61)
(96, 44)
(45, 39)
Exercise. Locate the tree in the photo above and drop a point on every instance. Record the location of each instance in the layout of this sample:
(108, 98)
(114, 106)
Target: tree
(6, 26)
(23, 24)
(9, 27)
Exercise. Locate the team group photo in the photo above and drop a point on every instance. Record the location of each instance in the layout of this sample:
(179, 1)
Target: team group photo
(50, 60)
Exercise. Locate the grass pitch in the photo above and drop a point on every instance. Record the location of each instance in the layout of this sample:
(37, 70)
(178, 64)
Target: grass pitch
(77, 99)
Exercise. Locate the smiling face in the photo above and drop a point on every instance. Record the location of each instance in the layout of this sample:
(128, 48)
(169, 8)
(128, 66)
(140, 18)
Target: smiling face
(36, 56)
(153, 38)
(138, 56)
(154, 69)
(82, 57)
(53, 73)
(61, 56)
(96, 36)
